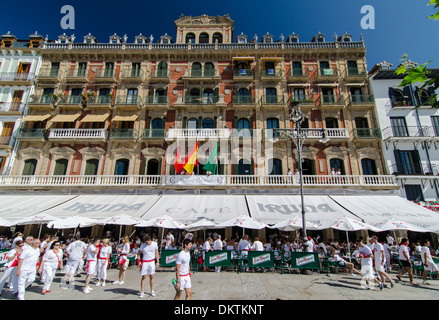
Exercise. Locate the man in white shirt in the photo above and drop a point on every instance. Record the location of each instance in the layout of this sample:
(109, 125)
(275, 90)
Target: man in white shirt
(206, 247)
(76, 251)
(5, 244)
(380, 261)
(427, 260)
(218, 245)
(169, 240)
(257, 245)
(182, 271)
(243, 248)
(149, 251)
(404, 258)
(27, 267)
(92, 257)
(367, 271)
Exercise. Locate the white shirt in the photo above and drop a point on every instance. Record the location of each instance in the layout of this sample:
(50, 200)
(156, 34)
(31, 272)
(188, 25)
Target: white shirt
(367, 252)
(10, 254)
(30, 258)
(125, 248)
(51, 258)
(386, 250)
(426, 250)
(183, 259)
(76, 250)
(149, 251)
(243, 245)
(258, 246)
(5, 244)
(169, 239)
(402, 249)
(206, 246)
(218, 245)
(377, 253)
(105, 252)
(90, 254)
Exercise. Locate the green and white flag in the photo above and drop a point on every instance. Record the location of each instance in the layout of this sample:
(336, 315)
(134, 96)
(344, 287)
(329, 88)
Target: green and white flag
(212, 161)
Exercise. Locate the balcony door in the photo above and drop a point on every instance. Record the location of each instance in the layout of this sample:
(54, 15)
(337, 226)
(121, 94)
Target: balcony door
(91, 167)
(369, 167)
(408, 162)
(122, 166)
(60, 167)
(337, 164)
(399, 126)
(362, 126)
(29, 167)
(132, 96)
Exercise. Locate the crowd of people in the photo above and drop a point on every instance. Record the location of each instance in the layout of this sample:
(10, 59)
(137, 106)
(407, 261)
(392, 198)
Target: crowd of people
(29, 258)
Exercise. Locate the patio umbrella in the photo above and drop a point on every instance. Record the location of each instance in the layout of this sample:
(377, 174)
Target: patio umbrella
(202, 224)
(73, 222)
(164, 221)
(5, 223)
(121, 220)
(349, 224)
(392, 224)
(294, 224)
(244, 222)
(434, 228)
(39, 219)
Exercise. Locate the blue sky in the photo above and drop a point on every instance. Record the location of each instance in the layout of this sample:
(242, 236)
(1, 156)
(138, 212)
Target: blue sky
(401, 26)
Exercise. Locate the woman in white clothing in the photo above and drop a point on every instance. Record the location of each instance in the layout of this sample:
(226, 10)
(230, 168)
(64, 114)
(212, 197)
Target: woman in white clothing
(51, 261)
(11, 266)
(104, 256)
(123, 260)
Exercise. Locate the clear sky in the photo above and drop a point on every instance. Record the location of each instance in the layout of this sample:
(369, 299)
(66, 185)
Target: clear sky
(401, 26)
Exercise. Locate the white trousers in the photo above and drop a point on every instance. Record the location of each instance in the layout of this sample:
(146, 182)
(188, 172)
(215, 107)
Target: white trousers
(25, 279)
(11, 274)
(102, 269)
(49, 273)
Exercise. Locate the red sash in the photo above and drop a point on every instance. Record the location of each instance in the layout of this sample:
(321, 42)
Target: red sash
(15, 263)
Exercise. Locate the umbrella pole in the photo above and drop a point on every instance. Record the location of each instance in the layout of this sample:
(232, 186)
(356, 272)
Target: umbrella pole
(120, 232)
(39, 232)
(349, 247)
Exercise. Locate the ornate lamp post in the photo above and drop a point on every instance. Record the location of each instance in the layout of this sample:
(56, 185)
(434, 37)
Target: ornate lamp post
(298, 136)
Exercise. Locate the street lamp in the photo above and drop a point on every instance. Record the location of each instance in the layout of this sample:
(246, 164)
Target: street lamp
(298, 136)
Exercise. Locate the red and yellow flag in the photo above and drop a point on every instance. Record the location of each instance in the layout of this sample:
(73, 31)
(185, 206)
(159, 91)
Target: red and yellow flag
(192, 159)
(178, 164)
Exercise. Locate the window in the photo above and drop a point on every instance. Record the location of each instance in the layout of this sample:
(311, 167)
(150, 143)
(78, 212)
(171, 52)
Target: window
(413, 192)
(337, 164)
(331, 123)
(194, 95)
(135, 69)
(162, 70)
(308, 167)
(160, 96)
(244, 128)
(275, 167)
(362, 126)
(399, 127)
(208, 96)
(109, 69)
(244, 96)
(82, 69)
(297, 68)
(243, 167)
(369, 167)
(356, 95)
(299, 94)
(54, 69)
(204, 38)
(104, 95)
(325, 69)
(217, 37)
(153, 167)
(29, 167)
(435, 122)
(47, 95)
(132, 96)
(193, 123)
(122, 167)
(269, 68)
(196, 69)
(60, 167)
(401, 98)
(328, 95)
(91, 167)
(352, 68)
(271, 95)
(209, 69)
(76, 95)
(408, 162)
(190, 38)
(208, 124)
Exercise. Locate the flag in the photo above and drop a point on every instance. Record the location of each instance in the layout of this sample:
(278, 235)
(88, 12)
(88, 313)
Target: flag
(178, 164)
(212, 161)
(191, 159)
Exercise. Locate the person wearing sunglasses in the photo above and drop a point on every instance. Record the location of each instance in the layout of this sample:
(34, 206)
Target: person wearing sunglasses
(11, 266)
(51, 261)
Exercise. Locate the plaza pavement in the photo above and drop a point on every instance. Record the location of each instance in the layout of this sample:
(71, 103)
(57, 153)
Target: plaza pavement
(232, 286)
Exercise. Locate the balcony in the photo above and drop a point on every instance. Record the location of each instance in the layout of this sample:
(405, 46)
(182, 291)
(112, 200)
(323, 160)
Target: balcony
(243, 74)
(331, 100)
(243, 100)
(411, 169)
(248, 181)
(271, 75)
(16, 78)
(157, 100)
(49, 75)
(126, 102)
(153, 134)
(361, 99)
(132, 76)
(123, 134)
(42, 101)
(273, 100)
(11, 107)
(327, 74)
(197, 133)
(410, 133)
(199, 75)
(160, 76)
(307, 100)
(296, 74)
(108, 75)
(77, 75)
(70, 102)
(367, 133)
(211, 99)
(83, 135)
(100, 102)
(31, 134)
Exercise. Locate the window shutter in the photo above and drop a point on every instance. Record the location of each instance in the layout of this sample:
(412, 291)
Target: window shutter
(29, 167)
(408, 93)
(392, 96)
(399, 166)
(91, 167)
(60, 167)
(216, 95)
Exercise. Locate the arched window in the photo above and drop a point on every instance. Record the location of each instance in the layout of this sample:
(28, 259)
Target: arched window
(275, 167)
(369, 167)
(244, 96)
(308, 167)
(272, 123)
(153, 167)
(192, 123)
(207, 123)
(271, 95)
(204, 38)
(196, 69)
(60, 167)
(29, 167)
(337, 164)
(208, 96)
(209, 69)
(91, 167)
(162, 69)
(190, 37)
(244, 128)
(194, 95)
(217, 37)
(157, 123)
(121, 167)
